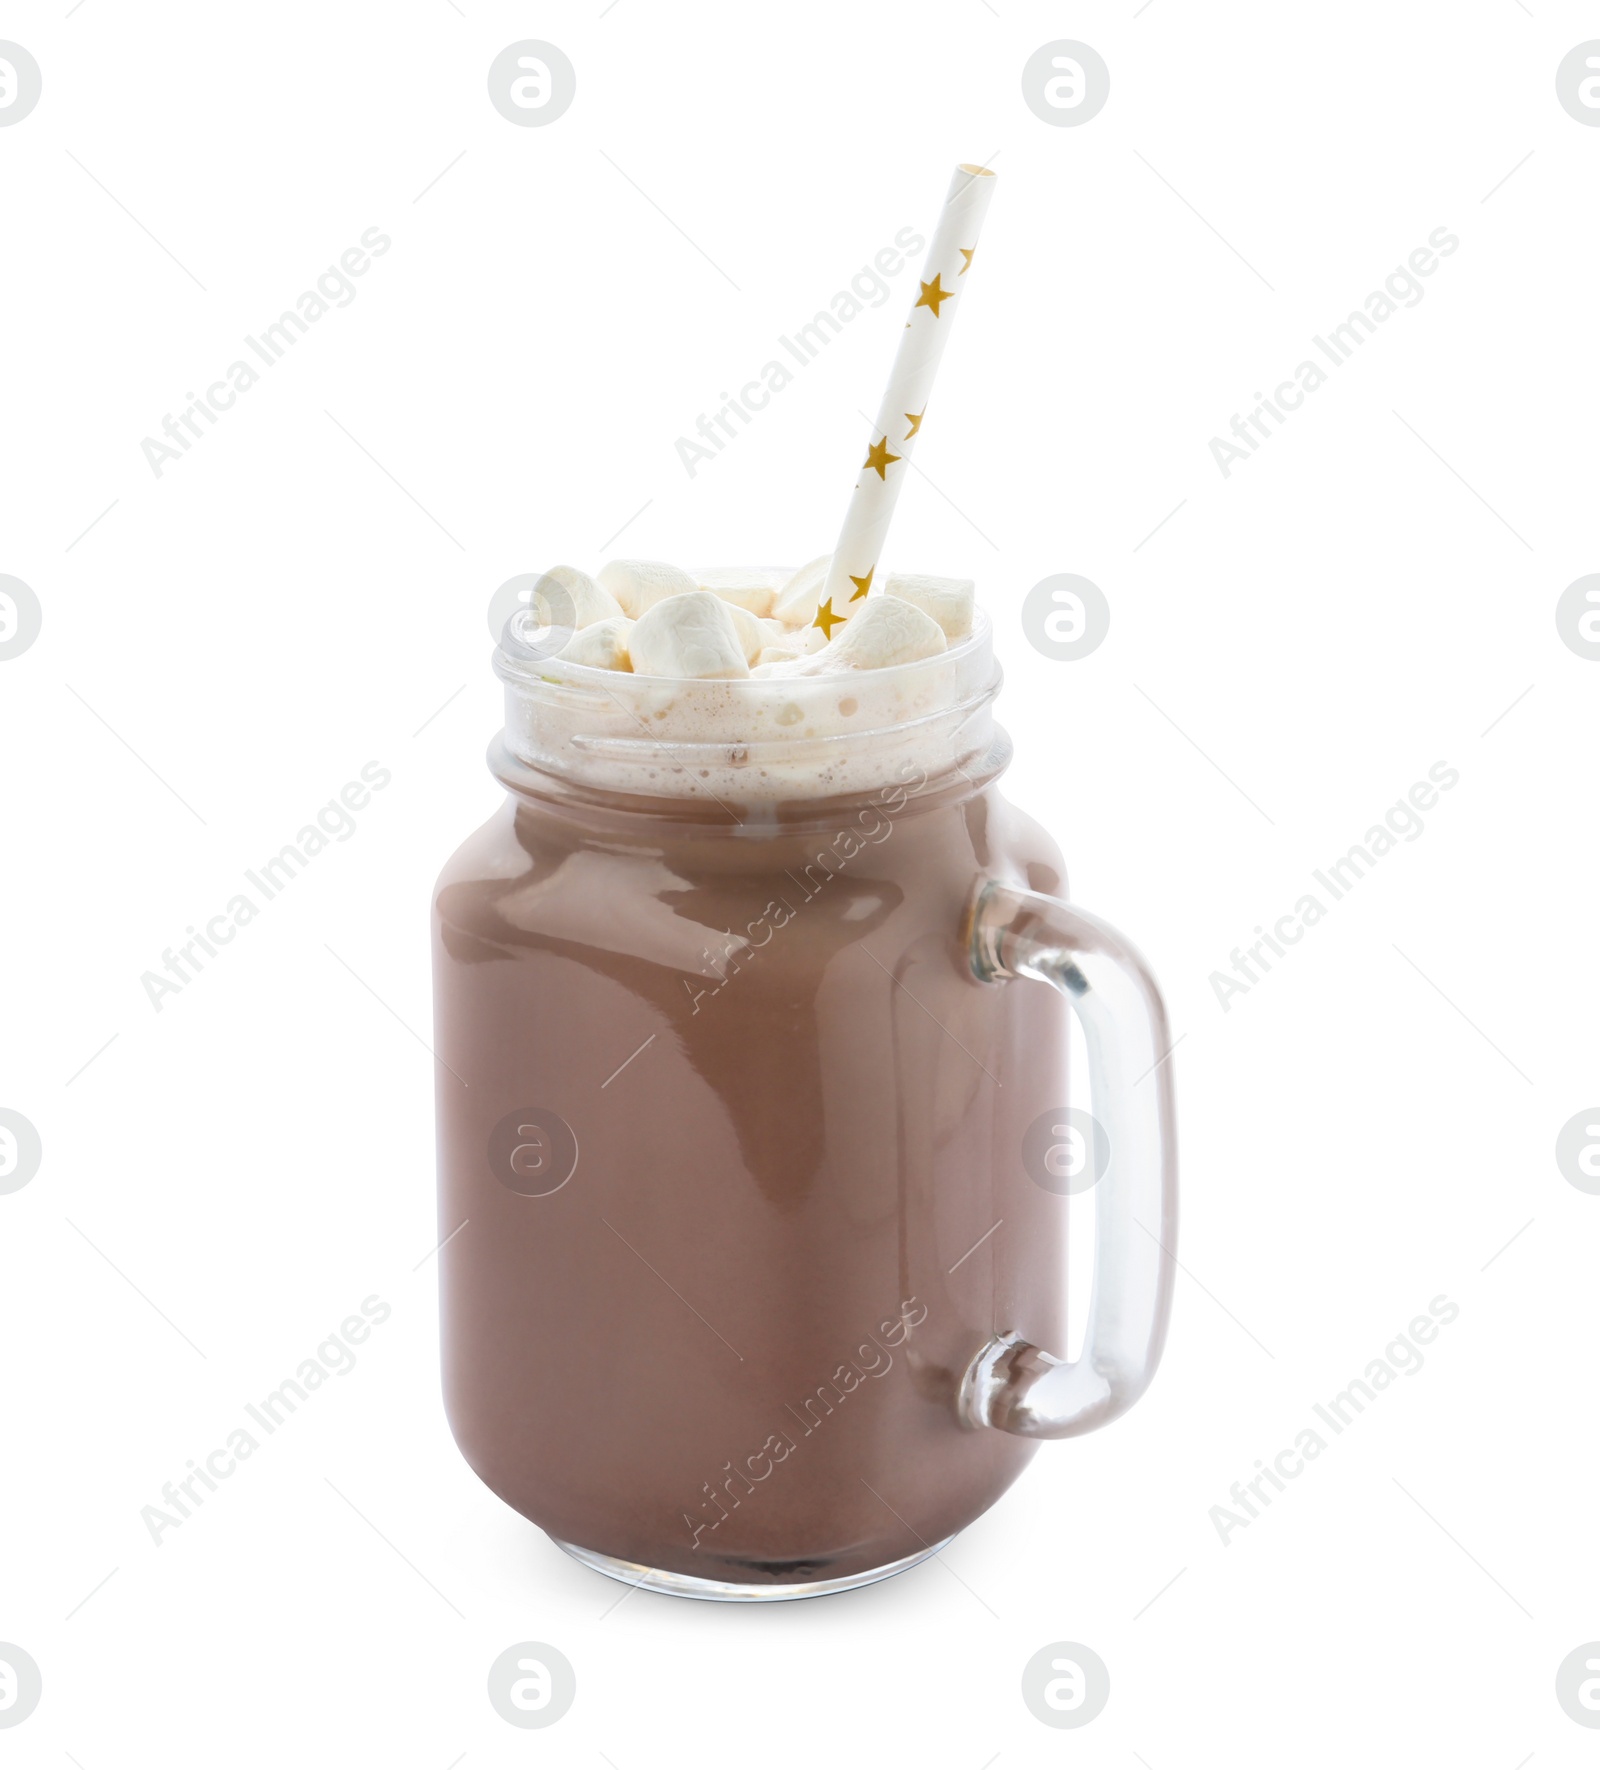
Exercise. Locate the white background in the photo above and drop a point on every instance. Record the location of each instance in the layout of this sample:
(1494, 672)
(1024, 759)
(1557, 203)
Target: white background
(1365, 1130)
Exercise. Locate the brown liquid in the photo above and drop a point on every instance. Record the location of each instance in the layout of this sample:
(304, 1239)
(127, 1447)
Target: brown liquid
(729, 1345)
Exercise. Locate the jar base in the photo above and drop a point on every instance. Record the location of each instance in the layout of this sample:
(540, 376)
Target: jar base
(684, 1585)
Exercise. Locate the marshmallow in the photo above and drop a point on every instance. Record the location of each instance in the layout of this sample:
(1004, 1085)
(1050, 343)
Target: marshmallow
(948, 600)
(797, 600)
(750, 587)
(638, 584)
(692, 635)
(780, 646)
(589, 602)
(753, 634)
(882, 632)
(602, 646)
(798, 642)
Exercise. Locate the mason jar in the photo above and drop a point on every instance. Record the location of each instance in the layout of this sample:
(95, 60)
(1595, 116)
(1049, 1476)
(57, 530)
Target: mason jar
(755, 1149)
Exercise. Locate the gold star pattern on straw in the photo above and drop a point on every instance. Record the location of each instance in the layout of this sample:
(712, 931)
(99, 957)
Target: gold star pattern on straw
(878, 457)
(827, 620)
(966, 252)
(863, 585)
(933, 293)
(914, 419)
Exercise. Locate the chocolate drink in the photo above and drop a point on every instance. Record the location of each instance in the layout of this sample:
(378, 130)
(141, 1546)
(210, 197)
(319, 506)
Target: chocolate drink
(731, 1134)
(729, 1346)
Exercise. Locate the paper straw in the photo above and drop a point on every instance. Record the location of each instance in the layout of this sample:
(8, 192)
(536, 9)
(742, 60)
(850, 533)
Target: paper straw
(905, 399)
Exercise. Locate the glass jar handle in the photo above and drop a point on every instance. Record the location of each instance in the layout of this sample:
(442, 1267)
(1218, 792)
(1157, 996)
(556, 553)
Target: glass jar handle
(1020, 1387)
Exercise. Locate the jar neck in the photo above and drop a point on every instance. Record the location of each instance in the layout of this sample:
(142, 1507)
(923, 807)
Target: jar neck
(649, 817)
(747, 749)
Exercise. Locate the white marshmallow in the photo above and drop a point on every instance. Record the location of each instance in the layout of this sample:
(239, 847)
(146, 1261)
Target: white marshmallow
(948, 600)
(602, 646)
(797, 600)
(589, 602)
(799, 640)
(752, 632)
(780, 646)
(883, 631)
(638, 584)
(750, 587)
(692, 635)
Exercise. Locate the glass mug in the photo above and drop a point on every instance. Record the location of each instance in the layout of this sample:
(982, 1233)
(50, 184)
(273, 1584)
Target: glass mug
(753, 1161)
